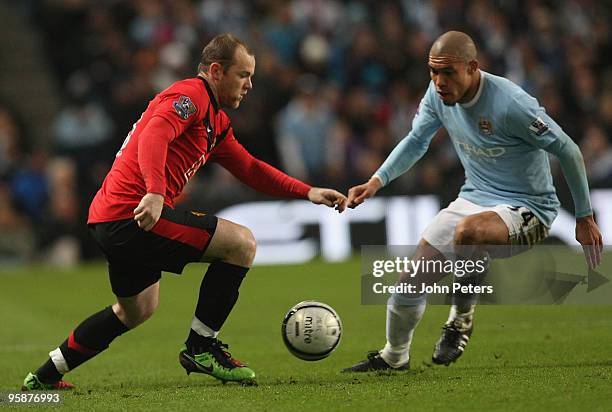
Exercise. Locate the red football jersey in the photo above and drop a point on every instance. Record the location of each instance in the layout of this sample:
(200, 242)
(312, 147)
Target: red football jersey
(182, 128)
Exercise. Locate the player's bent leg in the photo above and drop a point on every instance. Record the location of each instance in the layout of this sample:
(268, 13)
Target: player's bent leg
(481, 229)
(136, 286)
(472, 234)
(232, 243)
(474, 237)
(90, 337)
(403, 316)
(231, 251)
(134, 310)
(404, 313)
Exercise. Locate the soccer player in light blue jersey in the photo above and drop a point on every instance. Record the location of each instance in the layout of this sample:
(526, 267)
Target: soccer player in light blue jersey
(502, 137)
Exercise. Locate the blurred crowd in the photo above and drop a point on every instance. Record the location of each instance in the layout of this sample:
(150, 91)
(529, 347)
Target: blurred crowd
(336, 86)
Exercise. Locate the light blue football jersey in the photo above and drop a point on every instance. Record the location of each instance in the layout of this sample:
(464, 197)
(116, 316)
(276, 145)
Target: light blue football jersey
(499, 137)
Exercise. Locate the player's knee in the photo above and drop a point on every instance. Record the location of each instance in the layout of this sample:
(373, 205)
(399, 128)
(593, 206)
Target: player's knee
(143, 314)
(148, 310)
(469, 231)
(134, 315)
(247, 246)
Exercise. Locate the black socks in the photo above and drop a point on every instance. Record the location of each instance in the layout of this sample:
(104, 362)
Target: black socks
(218, 295)
(91, 337)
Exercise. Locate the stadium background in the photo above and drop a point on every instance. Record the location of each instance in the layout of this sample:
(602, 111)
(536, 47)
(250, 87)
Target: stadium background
(336, 86)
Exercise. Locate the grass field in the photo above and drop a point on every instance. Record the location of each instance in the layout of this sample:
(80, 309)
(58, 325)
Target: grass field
(519, 358)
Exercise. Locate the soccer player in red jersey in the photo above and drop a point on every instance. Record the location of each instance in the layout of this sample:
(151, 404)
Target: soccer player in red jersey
(133, 218)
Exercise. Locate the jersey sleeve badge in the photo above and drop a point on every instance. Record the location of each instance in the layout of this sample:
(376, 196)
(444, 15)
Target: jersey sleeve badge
(184, 107)
(538, 127)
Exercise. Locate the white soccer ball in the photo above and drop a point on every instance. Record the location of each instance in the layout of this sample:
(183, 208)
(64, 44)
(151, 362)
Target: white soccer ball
(311, 330)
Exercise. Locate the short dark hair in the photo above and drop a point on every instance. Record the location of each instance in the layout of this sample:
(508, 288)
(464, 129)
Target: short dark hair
(221, 49)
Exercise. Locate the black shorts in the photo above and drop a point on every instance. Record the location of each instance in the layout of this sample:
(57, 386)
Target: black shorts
(136, 257)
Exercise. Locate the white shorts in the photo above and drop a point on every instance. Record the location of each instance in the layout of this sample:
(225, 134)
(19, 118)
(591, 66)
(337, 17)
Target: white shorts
(524, 227)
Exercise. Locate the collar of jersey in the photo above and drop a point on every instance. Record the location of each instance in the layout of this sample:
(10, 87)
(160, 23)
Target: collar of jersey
(211, 95)
(478, 93)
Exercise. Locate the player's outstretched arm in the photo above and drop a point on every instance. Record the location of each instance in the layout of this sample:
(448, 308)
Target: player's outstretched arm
(267, 179)
(327, 197)
(589, 236)
(358, 194)
(572, 165)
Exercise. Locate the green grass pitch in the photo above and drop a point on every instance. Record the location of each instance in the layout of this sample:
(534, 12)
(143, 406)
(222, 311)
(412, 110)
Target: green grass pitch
(520, 357)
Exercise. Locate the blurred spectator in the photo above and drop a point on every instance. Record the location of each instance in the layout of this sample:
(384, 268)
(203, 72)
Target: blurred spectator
(82, 127)
(362, 64)
(30, 187)
(60, 230)
(10, 151)
(404, 104)
(218, 16)
(281, 33)
(319, 16)
(17, 241)
(369, 152)
(597, 152)
(303, 130)
(605, 111)
(338, 151)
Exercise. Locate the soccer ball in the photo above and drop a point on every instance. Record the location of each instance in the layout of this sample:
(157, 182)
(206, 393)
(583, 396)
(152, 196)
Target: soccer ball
(311, 330)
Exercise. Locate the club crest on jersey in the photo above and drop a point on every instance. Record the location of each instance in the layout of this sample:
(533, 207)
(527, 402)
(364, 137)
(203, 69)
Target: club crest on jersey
(485, 126)
(539, 127)
(184, 107)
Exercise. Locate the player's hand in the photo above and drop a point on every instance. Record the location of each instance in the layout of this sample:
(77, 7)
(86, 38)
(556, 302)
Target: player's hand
(589, 236)
(327, 197)
(358, 194)
(149, 210)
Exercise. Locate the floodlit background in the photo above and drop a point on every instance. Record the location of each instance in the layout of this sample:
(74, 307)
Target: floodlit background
(336, 86)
